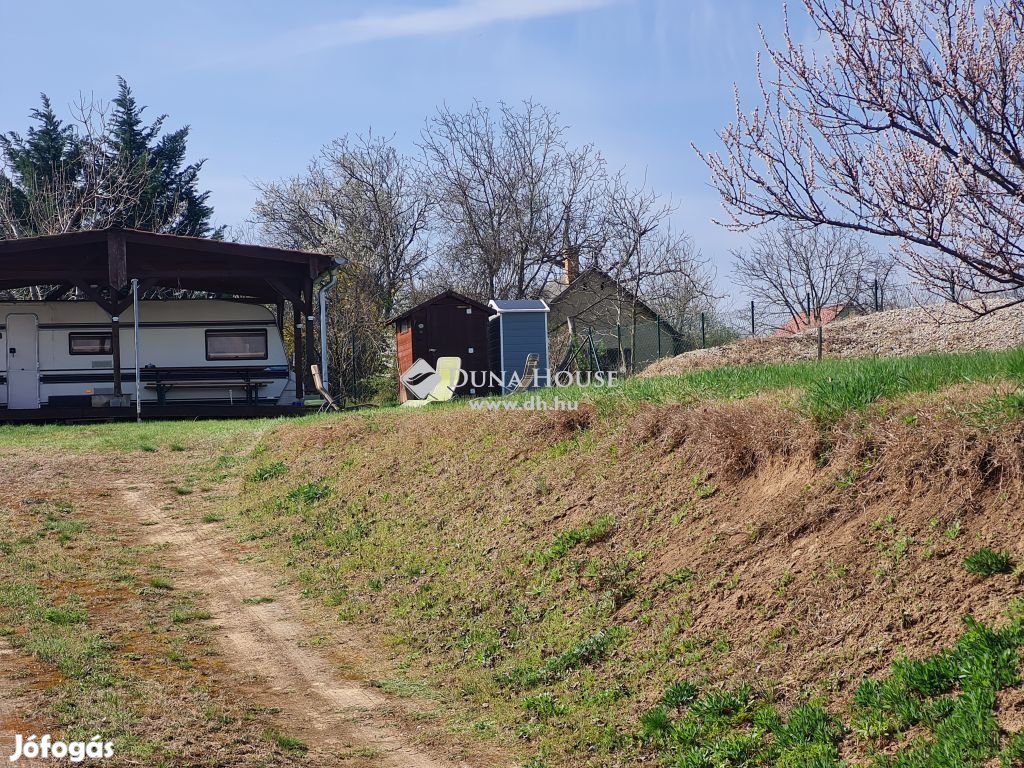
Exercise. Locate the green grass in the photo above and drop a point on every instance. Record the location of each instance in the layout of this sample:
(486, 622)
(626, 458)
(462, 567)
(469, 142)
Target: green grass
(286, 742)
(568, 540)
(589, 651)
(949, 699)
(150, 436)
(268, 471)
(986, 562)
(829, 389)
(260, 600)
(188, 615)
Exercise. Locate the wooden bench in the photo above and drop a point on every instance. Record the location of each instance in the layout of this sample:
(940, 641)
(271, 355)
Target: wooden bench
(165, 383)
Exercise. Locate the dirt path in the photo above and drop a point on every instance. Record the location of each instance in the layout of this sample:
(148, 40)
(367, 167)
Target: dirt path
(339, 717)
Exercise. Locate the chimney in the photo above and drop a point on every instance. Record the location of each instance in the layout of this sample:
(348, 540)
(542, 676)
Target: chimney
(570, 266)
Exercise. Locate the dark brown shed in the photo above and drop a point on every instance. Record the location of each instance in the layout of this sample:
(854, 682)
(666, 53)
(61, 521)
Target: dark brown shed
(447, 325)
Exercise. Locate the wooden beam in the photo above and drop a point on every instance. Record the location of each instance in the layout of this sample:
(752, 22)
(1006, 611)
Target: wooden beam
(115, 351)
(95, 295)
(117, 260)
(297, 355)
(310, 336)
(59, 292)
(283, 289)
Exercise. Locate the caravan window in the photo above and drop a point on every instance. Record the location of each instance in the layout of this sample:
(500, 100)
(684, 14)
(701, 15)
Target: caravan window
(89, 344)
(236, 345)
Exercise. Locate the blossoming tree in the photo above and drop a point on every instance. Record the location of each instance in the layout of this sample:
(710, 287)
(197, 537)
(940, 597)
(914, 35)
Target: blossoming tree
(905, 120)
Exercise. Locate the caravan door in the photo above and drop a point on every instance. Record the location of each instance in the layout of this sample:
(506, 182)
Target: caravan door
(22, 361)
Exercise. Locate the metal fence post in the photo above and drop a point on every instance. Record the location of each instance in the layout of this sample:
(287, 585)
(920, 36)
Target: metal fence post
(752, 331)
(355, 373)
(703, 335)
(877, 307)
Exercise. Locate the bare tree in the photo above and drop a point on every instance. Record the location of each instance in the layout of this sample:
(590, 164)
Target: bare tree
(799, 271)
(365, 201)
(910, 126)
(513, 198)
(647, 258)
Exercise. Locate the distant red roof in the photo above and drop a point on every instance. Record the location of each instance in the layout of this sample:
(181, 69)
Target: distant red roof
(802, 323)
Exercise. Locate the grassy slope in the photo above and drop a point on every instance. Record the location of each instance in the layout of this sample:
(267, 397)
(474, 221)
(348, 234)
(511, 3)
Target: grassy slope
(552, 575)
(558, 581)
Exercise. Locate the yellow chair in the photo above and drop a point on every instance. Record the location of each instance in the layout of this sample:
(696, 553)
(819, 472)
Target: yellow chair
(448, 369)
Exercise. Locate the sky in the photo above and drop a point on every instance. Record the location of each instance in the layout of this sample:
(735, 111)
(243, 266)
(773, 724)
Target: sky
(265, 83)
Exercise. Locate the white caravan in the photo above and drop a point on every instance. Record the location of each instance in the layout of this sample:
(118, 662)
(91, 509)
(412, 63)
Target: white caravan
(192, 352)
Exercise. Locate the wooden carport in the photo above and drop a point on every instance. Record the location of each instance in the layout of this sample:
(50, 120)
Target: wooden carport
(101, 264)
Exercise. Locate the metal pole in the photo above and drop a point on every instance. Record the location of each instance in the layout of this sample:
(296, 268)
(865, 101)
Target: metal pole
(138, 372)
(324, 373)
(877, 306)
(752, 331)
(703, 335)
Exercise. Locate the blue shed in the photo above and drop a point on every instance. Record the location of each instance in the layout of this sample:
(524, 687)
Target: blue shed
(519, 327)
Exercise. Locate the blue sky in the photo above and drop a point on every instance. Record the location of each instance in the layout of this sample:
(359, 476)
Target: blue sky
(265, 83)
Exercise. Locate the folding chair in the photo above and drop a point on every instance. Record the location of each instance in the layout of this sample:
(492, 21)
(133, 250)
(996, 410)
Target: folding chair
(327, 403)
(529, 374)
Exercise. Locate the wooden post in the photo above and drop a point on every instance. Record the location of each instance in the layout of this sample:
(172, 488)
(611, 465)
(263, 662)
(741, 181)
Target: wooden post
(311, 352)
(280, 315)
(115, 352)
(117, 261)
(820, 340)
(117, 279)
(297, 355)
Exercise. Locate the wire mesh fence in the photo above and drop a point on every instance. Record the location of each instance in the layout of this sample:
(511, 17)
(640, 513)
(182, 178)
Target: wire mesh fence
(631, 347)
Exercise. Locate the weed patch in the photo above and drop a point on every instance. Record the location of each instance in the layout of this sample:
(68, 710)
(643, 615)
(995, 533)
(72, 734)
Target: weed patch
(268, 472)
(986, 562)
(574, 537)
(587, 652)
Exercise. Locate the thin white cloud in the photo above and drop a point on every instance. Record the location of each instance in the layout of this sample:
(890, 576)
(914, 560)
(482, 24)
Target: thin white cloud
(453, 18)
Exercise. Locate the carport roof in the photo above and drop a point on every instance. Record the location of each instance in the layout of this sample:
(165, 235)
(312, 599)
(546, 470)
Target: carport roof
(102, 264)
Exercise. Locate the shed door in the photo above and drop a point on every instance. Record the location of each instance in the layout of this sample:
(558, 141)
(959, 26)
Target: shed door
(22, 361)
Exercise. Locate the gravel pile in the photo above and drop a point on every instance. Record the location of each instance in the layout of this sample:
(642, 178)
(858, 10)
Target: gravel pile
(895, 333)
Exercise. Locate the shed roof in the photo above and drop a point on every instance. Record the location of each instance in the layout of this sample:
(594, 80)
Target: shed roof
(102, 263)
(449, 294)
(504, 306)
